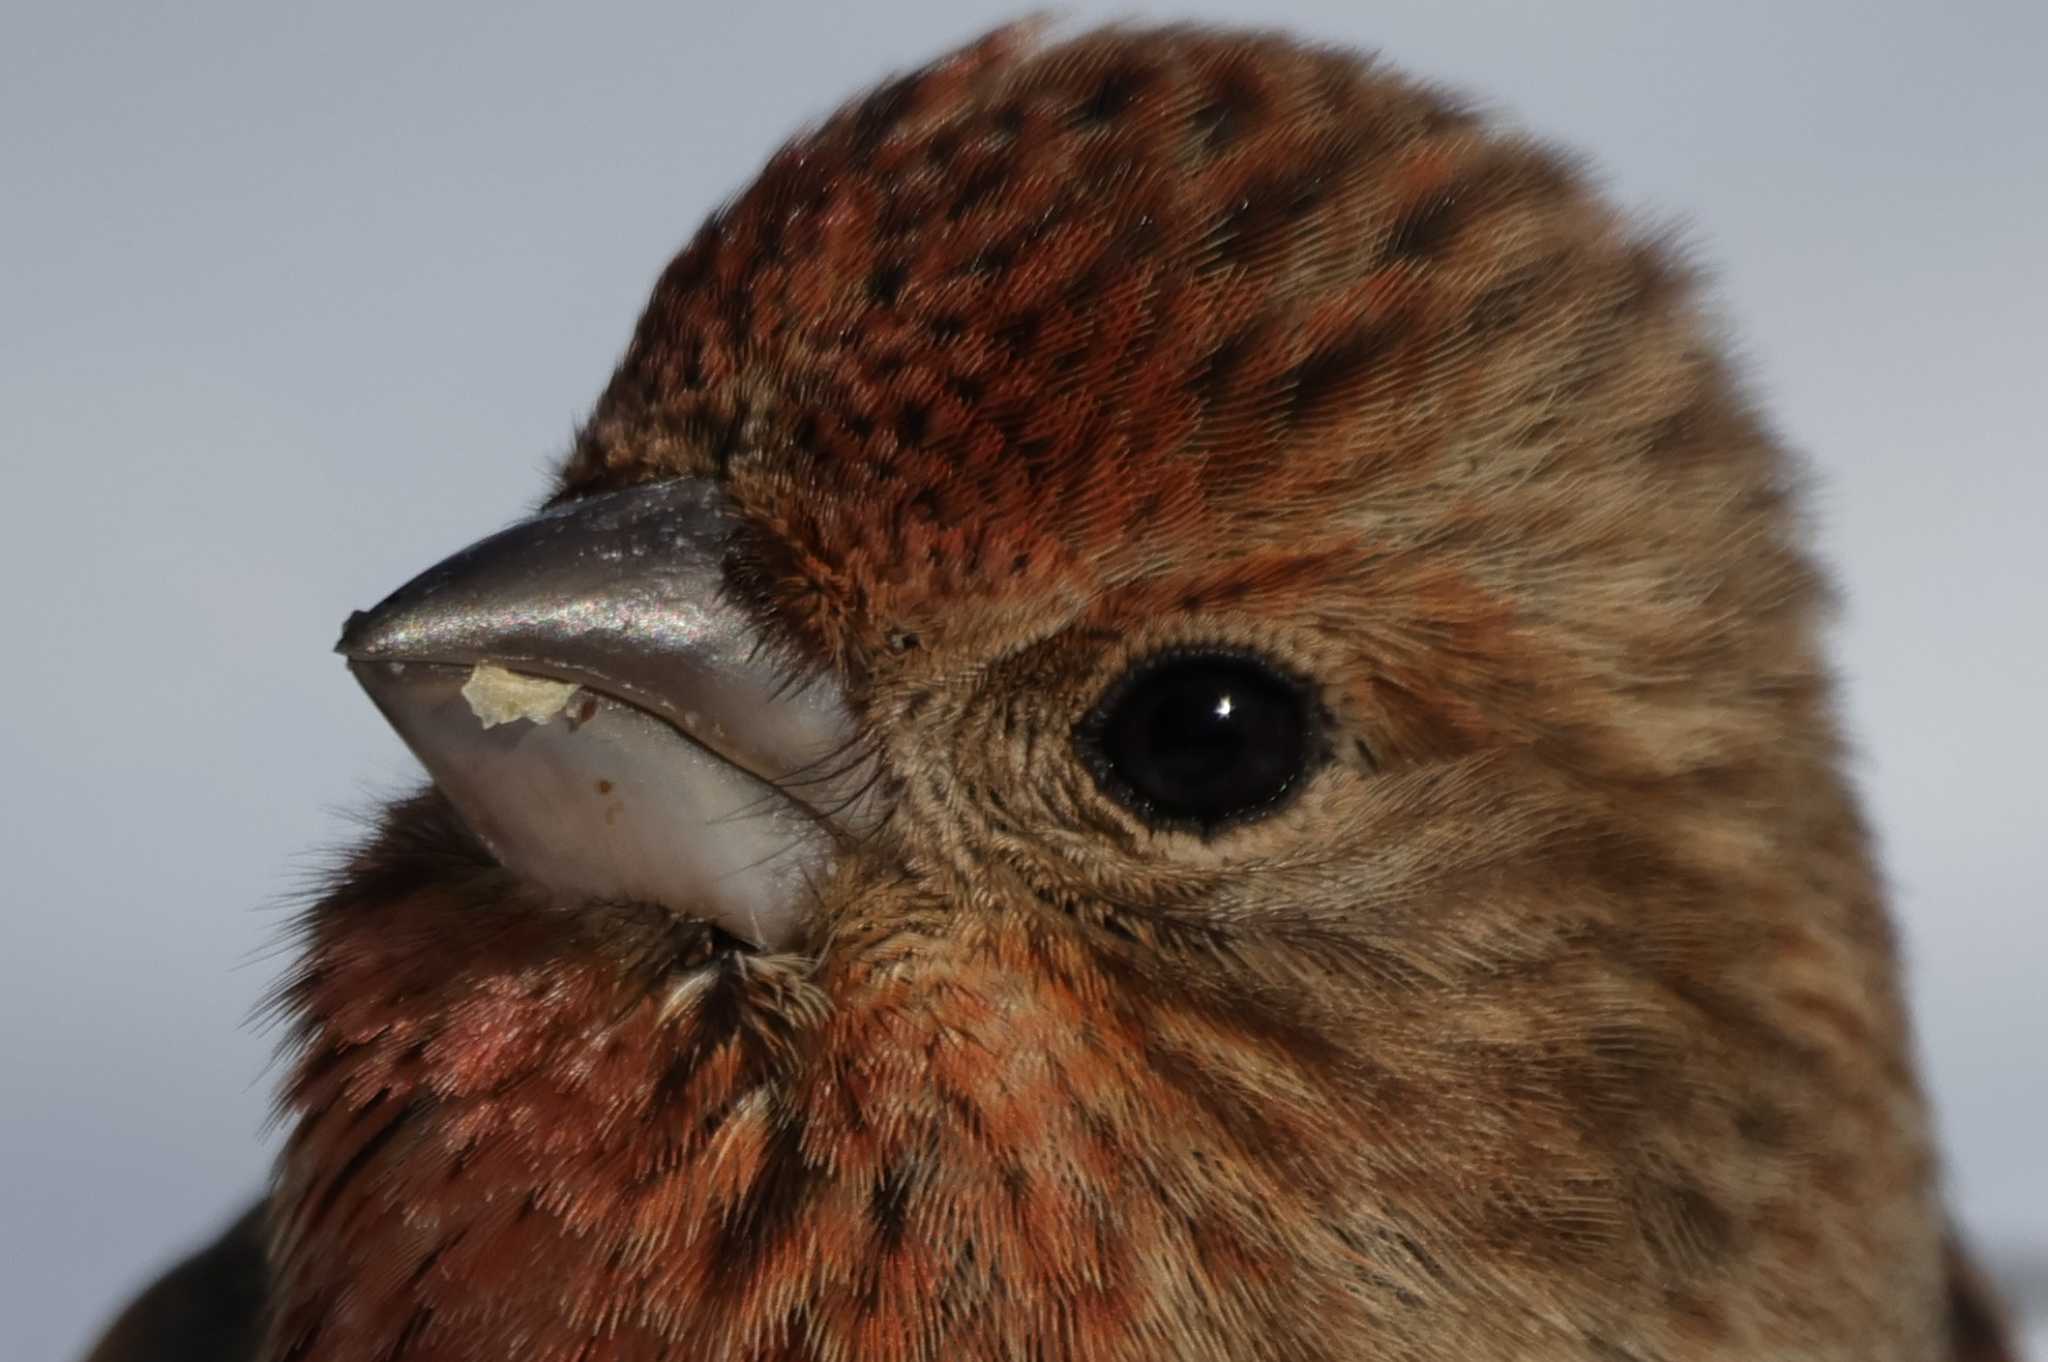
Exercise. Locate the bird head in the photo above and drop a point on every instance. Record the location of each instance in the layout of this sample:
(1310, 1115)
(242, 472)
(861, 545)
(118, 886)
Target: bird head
(1171, 707)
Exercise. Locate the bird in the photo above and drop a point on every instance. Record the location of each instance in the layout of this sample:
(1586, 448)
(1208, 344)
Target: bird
(1174, 706)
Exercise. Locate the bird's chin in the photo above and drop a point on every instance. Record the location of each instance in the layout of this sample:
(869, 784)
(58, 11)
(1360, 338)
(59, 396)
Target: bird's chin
(594, 798)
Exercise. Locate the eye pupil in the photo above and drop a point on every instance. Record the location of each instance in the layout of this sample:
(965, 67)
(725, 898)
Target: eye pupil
(1200, 739)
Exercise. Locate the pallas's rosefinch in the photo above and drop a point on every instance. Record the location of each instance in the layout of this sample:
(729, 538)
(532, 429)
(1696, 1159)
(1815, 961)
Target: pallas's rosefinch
(1171, 710)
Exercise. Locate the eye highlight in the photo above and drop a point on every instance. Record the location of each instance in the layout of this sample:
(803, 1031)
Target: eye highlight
(1200, 739)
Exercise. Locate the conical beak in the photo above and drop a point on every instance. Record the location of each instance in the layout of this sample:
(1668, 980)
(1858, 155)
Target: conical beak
(610, 722)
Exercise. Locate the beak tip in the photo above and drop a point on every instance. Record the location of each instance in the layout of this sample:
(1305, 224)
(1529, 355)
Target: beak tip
(352, 629)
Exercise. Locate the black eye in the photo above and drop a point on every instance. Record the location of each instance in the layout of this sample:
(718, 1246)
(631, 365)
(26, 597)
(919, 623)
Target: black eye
(1201, 738)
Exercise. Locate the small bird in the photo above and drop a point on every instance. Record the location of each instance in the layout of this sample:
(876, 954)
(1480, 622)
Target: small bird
(1172, 709)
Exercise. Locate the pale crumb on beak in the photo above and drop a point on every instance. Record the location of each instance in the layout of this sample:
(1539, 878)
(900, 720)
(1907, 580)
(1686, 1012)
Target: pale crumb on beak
(497, 696)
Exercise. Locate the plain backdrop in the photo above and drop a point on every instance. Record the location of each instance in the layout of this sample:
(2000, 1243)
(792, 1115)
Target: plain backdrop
(296, 299)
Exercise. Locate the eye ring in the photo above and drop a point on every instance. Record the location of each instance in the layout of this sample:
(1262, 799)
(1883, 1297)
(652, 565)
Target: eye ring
(1201, 738)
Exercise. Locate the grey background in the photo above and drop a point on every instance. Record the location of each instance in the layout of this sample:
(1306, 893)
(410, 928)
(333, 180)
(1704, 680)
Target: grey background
(293, 302)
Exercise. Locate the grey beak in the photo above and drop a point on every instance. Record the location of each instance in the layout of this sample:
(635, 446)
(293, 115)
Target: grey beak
(673, 758)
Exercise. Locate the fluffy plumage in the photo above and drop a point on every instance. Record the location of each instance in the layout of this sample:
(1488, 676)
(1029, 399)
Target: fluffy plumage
(1556, 1016)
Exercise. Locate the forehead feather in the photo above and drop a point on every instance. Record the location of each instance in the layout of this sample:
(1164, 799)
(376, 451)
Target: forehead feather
(1133, 304)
